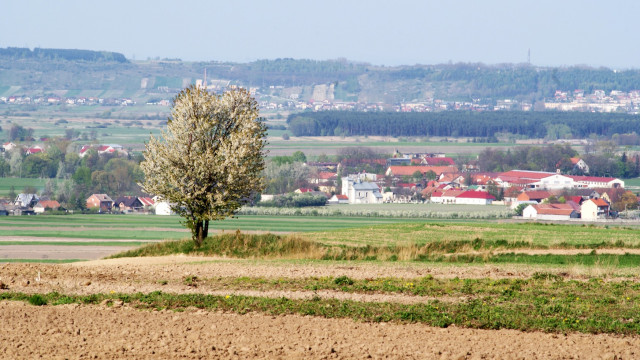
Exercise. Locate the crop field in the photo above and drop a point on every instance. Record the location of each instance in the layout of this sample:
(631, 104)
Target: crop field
(552, 289)
(19, 184)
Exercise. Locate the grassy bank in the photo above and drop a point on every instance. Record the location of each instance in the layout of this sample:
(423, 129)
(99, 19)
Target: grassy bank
(476, 251)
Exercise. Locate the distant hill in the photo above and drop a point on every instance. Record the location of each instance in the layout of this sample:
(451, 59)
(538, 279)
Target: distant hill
(62, 54)
(67, 72)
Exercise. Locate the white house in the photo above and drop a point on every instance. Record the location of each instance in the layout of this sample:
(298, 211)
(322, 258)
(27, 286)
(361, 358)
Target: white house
(594, 209)
(360, 192)
(338, 199)
(163, 208)
(8, 146)
(472, 197)
(550, 212)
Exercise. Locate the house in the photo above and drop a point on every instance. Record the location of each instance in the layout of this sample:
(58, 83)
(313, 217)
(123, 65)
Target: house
(436, 197)
(147, 203)
(438, 161)
(163, 208)
(361, 192)
(398, 171)
(594, 209)
(594, 182)
(449, 196)
(100, 201)
(535, 196)
(102, 149)
(549, 180)
(128, 204)
(8, 146)
(34, 150)
(550, 212)
(579, 165)
(42, 205)
(473, 197)
(338, 199)
(26, 200)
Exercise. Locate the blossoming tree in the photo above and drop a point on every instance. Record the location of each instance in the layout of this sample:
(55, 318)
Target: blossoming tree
(209, 159)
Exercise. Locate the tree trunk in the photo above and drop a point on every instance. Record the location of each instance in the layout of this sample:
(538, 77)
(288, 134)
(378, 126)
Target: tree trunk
(201, 232)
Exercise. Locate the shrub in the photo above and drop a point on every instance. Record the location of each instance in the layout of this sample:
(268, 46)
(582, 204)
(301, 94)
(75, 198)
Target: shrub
(37, 300)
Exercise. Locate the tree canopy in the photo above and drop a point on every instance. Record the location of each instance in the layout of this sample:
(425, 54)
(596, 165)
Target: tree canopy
(209, 159)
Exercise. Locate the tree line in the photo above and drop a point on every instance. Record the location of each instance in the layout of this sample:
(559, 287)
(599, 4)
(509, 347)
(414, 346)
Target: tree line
(71, 178)
(461, 123)
(62, 54)
(603, 162)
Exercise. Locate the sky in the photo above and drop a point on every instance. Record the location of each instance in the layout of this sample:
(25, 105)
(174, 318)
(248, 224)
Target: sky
(390, 33)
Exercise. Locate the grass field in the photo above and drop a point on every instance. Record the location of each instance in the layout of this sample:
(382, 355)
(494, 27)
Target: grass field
(19, 184)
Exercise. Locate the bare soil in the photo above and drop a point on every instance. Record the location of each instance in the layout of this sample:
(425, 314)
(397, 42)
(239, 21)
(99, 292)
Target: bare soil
(76, 332)
(116, 332)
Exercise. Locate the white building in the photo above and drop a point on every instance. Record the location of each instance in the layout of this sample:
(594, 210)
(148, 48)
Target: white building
(360, 192)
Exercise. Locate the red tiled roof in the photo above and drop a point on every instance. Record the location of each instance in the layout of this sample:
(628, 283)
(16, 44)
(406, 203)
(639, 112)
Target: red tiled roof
(50, 204)
(146, 201)
(535, 195)
(600, 202)
(439, 161)
(523, 174)
(575, 199)
(342, 197)
(409, 170)
(473, 194)
(453, 192)
(554, 209)
(326, 175)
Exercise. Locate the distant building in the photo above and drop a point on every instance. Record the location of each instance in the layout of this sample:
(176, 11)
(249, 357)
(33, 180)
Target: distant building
(360, 192)
(100, 201)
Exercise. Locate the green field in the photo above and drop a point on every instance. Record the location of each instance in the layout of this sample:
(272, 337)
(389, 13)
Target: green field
(19, 184)
(408, 238)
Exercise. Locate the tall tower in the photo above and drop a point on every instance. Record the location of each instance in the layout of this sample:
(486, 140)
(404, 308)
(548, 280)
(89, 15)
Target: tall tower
(529, 56)
(205, 78)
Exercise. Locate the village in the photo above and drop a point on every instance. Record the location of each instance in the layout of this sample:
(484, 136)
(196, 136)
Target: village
(534, 195)
(419, 178)
(288, 99)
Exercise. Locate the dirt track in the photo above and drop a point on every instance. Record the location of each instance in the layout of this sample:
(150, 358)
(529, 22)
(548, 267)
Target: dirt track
(84, 331)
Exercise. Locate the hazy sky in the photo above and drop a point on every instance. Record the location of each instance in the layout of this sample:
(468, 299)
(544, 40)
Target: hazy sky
(392, 32)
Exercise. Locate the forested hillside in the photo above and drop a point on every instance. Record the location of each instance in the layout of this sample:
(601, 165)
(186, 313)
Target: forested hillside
(26, 72)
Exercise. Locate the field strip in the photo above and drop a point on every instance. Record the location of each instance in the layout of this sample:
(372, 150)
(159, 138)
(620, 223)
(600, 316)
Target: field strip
(58, 252)
(612, 251)
(179, 266)
(62, 239)
(107, 332)
(96, 228)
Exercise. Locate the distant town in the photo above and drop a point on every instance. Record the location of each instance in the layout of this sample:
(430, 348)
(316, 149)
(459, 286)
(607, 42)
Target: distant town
(570, 100)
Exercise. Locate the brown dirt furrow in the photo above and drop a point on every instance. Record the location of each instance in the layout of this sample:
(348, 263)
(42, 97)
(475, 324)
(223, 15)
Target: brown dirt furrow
(74, 331)
(615, 251)
(132, 273)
